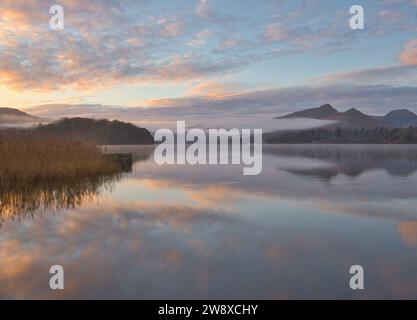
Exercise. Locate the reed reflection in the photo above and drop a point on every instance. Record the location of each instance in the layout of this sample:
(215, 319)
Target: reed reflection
(23, 199)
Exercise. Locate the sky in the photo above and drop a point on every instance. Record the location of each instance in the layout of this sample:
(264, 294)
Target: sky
(206, 61)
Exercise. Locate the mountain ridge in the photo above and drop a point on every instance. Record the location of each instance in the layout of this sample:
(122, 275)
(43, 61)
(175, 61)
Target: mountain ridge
(14, 111)
(102, 132)
(15, 116)
(401, 118)
(356, 119)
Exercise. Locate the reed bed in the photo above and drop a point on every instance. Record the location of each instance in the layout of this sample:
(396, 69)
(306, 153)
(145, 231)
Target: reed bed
(35, 158)
(40, 172)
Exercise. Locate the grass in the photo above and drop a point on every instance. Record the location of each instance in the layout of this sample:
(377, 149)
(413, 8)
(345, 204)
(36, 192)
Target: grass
(28, 158)
(39, 172)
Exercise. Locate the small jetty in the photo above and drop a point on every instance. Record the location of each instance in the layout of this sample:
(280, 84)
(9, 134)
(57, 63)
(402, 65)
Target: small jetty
(124, 159)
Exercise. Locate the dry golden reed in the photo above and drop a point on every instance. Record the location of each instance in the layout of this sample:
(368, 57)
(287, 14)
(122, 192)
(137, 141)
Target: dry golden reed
(39, 172)
(29, 158)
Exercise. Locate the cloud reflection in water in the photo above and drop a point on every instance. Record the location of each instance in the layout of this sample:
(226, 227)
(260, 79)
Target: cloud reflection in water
(210, 232)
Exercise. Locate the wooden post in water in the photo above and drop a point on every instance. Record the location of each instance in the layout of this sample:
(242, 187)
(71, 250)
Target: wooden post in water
(124, 159)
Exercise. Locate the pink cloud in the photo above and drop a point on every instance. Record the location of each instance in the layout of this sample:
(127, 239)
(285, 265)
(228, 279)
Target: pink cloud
(391, 16)
(171, 27)
(408, 231)
(409, 55)
(276, 32)
(200, 39)
(212, 89)
(203, 9)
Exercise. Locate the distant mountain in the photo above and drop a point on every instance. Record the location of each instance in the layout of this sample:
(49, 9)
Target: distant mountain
(102, 132)
(15, 116)
(324, 112)
(350, 119)
(354, 119)
(13, 112)
(401, 118)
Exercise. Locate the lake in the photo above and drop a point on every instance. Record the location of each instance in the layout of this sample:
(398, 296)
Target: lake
(209, 232)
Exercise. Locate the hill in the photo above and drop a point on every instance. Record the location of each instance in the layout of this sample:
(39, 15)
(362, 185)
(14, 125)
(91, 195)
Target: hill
(354, 119)
(401, 118)
(15, 116)
(350, 119)
(103, 132)
(324, 112)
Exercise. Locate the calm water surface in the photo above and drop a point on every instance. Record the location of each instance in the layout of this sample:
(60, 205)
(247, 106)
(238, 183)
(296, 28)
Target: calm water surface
(187, 232)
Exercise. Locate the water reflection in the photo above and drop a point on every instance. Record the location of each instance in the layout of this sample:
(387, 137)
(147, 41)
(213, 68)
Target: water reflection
(351, 160)
(23, 200)
(209, 232)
